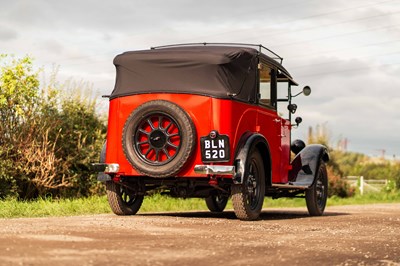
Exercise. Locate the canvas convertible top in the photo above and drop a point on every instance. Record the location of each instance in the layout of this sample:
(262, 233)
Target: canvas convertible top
(217, 71)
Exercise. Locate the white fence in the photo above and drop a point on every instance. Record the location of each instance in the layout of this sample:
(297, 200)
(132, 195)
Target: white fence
(366, 185)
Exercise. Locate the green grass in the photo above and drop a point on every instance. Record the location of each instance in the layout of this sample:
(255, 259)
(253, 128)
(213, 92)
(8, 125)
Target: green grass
(369, 198)
(12, 208)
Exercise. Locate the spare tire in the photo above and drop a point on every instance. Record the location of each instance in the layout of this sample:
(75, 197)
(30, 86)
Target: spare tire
(158, 138)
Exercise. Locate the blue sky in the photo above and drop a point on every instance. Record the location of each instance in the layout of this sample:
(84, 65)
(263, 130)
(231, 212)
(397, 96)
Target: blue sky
(347, 51)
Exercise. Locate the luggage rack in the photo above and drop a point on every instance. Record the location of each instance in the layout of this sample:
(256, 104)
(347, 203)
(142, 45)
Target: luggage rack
(259, 47)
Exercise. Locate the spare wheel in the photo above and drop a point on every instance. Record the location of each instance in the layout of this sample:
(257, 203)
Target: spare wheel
(158, 138)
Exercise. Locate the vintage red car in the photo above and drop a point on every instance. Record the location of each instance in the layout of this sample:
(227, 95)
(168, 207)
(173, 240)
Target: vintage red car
(206, 120)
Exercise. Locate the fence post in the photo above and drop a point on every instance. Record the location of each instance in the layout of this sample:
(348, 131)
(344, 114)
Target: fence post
(361, 185)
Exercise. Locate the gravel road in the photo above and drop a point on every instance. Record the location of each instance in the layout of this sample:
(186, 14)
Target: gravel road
(345, 235)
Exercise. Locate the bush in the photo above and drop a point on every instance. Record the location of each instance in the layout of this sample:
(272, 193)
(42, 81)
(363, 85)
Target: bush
(337, 186)
(8, 186)
(390, 187)
(47, 137)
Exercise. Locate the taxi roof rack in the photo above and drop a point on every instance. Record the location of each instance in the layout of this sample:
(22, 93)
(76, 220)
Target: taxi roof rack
(259, 47)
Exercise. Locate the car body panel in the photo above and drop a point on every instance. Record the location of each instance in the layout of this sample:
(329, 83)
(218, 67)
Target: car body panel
(221, 91)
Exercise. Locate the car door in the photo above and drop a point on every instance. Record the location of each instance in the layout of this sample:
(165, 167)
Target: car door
(269, 123)
(285, 128)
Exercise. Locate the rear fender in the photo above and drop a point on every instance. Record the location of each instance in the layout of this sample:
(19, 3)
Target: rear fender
(306, 163)
(101, 176)
(248, 142)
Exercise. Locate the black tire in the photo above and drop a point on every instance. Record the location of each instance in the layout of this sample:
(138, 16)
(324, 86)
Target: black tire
(248, 198)
(317, 194)
(216, 203)
(158, 138)
(123, 200)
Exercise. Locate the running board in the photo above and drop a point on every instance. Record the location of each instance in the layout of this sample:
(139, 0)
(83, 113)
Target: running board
(289, 186)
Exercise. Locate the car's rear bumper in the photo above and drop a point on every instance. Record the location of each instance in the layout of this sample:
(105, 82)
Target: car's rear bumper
(215, 169)
(228, 170)
(105, 167)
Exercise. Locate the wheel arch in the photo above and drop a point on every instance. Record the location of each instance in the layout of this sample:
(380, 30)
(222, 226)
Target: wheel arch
(306, 163)
(101, 176)
(247, 143)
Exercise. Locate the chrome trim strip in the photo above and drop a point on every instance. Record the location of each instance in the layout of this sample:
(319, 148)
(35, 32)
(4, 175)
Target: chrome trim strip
(215, 169)
(106, 167)
(112, 168)
(289, 186)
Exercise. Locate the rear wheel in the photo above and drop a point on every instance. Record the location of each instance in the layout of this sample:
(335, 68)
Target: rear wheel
(317, 194)
(217, 203)
(247, 198)
(123, 200)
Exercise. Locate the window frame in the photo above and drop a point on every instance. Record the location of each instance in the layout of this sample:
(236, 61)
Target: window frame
(273, 85)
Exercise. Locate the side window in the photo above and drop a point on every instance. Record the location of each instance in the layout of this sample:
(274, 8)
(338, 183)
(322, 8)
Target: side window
(282, 93)
(267, 85)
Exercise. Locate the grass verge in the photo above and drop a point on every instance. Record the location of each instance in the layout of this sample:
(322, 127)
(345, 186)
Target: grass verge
(12, 208)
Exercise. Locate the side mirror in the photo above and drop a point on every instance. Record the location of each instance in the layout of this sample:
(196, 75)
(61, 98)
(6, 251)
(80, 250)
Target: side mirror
(292, 108)
(306, 90)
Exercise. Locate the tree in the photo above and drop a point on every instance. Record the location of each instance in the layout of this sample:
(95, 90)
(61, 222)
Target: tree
(18, 99)
(47, 137)
(336, 185)
(343, 163)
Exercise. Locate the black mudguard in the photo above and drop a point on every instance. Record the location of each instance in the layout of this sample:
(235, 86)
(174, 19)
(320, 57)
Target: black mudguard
(306, 164)
(247, 143)
(101, 176)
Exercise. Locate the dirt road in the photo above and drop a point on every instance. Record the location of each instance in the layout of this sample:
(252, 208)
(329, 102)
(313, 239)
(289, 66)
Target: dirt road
(346, 235)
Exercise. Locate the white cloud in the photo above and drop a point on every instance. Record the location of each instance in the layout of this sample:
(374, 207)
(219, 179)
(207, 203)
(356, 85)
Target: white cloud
(7, 34)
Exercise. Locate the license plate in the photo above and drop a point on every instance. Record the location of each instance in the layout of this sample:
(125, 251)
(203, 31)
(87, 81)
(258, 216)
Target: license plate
(215, 149)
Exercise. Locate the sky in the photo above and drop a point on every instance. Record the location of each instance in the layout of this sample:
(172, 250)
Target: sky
(347, 51)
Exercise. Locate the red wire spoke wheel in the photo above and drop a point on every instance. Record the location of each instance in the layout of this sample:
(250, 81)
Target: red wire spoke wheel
(158, 139)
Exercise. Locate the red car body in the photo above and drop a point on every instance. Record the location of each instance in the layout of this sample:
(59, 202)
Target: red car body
(225, 116)
(203, 121)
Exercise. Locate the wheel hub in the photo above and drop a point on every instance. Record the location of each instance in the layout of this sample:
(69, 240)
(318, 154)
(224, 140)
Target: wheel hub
(158, 139)
(320, 192)
(251, 185)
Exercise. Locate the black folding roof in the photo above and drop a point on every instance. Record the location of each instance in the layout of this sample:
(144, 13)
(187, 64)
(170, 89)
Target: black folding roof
(217, 71)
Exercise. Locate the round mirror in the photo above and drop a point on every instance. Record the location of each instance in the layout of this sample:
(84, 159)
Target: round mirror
(306, 90)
